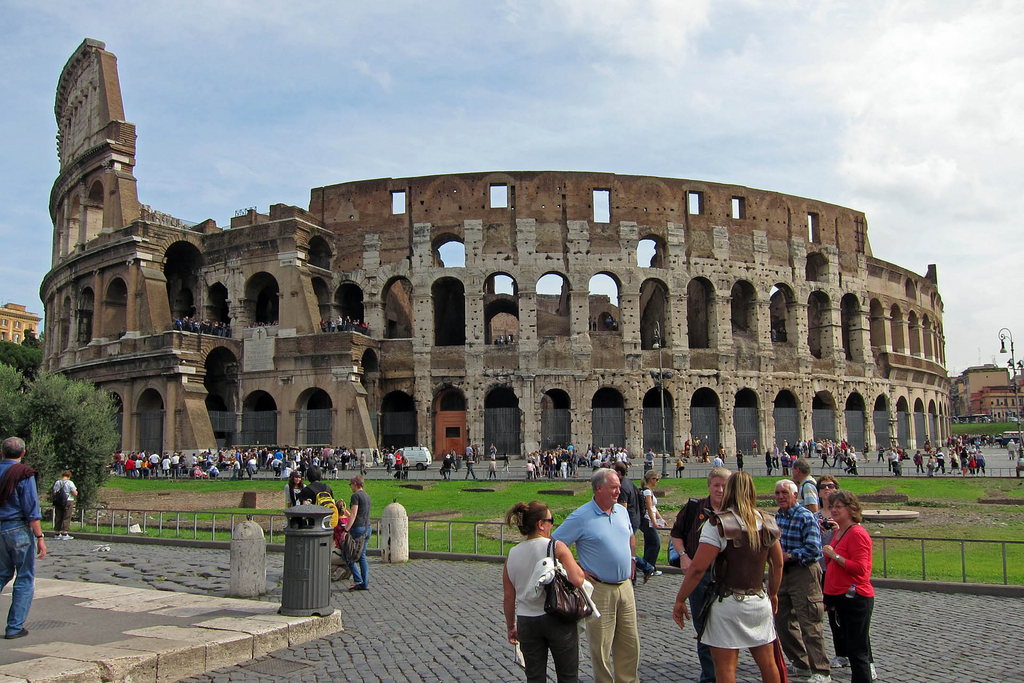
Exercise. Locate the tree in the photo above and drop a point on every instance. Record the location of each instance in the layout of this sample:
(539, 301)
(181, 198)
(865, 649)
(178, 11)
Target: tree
(23, 358)
(31, 341)
(66, 425)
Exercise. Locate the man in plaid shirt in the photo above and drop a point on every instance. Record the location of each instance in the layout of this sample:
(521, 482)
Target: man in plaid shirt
(801, 616)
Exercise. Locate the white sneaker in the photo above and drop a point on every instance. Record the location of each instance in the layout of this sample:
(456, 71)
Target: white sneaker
(67, 537)
(58, 537)
(820, 678)
(839, 662)
(874, 675)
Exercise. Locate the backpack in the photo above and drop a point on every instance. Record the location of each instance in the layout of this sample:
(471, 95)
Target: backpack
(325, 499)
(59, 497)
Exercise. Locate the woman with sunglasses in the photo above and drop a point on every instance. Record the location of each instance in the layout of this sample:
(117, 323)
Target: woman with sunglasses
(848, 591)
(528, 625)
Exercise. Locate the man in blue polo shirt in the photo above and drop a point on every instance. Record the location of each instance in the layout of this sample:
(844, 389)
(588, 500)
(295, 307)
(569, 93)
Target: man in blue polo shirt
(606, 548)
(801, 615)
(20, 531)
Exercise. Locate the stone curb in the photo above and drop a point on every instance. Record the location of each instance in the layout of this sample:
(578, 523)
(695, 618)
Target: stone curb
(162, 654)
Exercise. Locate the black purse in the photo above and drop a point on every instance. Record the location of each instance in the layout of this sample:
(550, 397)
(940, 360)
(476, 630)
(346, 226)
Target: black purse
(564, 601)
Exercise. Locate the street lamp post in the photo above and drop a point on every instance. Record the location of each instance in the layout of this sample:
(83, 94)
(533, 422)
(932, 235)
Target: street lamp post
(660, 378)
(1004, 335)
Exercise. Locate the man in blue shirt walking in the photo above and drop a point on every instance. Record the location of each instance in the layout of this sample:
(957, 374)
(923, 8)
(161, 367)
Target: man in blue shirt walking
(20, 530)
(606, 547)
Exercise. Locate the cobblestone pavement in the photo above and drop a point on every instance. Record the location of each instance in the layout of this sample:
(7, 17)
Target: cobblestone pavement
(432, 620)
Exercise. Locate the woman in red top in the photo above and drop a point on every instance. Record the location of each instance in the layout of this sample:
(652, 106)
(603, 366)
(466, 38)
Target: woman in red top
(848, 589)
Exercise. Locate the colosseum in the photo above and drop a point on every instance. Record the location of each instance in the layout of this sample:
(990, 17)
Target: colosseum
(523, 309)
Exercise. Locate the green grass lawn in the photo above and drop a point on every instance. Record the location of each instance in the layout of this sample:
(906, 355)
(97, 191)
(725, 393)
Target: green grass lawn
(990, 429)
(451, 501)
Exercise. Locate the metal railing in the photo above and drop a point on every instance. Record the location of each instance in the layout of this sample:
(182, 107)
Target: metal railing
(895, 556)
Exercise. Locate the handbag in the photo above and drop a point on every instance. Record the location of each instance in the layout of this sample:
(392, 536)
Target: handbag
(352, 547)
(564, 601)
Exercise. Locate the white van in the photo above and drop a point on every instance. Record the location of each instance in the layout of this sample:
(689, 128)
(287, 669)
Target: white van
(418, 457)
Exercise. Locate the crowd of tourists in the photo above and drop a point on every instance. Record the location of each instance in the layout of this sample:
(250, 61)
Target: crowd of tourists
(212, 327)
(752, 580)
(345, 324)
(241, 463)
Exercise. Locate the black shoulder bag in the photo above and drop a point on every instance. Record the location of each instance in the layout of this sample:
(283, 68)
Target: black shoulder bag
(564, 601)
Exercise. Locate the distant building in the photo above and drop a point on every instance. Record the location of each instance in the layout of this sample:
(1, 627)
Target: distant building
(985, 390)
(15, 321)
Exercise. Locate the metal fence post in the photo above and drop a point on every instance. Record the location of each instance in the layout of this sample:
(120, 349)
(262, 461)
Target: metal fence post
(160, 525)
(923, 575)
(1004, 562)
(476, 542)
(885, 560)
(424, 535)
(963, 562)
(213, 528)
(449, 536)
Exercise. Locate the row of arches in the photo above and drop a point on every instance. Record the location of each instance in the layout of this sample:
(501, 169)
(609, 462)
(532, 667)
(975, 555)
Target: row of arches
(910, 333)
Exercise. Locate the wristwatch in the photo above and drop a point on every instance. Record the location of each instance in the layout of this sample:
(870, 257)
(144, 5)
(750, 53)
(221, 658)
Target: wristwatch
(39, 536)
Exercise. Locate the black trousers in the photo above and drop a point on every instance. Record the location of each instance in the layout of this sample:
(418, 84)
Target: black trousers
(538, 636)
(853, 619)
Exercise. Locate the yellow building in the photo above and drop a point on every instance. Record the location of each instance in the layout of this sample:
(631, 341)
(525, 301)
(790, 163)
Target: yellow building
(15, 321)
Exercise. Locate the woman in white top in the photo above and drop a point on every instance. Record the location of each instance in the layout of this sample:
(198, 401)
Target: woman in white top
(650, 524)
(528, 625)
(292, 489)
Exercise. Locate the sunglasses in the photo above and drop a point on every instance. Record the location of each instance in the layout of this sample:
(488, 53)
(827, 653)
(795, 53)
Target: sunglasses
(827, 486)
(549, 519)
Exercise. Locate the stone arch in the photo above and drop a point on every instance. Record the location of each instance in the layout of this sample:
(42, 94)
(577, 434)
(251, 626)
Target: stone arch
(910, 289)
(850, 315)
(314, 417)
(221, 383)
(217, 308)
(554, 306)
(449, 298)
(914, 334)
(449, 251)
(263, 298)
(823, 416)
(658, 423)
(182, 264)
(743, 311)
(555, 419)
(72, 235)
(746, 416)
(902, 422)
(920, 424)
(115, 309)
(603, 299)
(654, 308)
(650, 252)
(819, 328)
(700, 312)
(502, 421)
(94, 215)
(816, 268)
(348, 302)
(927, 338)
(705, 424)
(398, 420)
(896, 327)
(323, 298)
(855, 417)
(118, 406)
(86, 304)
(608, 418)
(65, 323)
(783, 314)
(786, 410)
(259, 419)
(319, 253)
(877, 324)
(501, 309)
(397, 300)
(149, 420)
(450, 430)
(880, 421)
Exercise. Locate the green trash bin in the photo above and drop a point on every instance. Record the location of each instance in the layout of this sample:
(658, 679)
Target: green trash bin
(306, 590)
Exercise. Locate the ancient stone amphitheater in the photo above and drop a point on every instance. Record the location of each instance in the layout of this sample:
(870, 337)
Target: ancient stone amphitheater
(523, 309)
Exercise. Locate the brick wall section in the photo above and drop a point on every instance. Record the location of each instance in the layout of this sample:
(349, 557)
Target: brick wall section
(192, 500)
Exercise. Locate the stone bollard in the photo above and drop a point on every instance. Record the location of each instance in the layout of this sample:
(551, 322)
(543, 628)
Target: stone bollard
(394, 534)
(248, 561)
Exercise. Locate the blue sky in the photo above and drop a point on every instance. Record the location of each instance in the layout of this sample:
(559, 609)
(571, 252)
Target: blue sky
(909, 111)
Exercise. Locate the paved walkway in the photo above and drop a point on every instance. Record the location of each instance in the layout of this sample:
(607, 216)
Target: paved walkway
(433, 620)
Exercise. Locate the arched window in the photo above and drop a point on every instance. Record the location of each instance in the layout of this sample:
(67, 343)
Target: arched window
(84, 313)
(217, 308)
(854, 414)
(783, 319)
(182, 263)
(704, 420)
(849, 307)
(259, 419)
(896, 323)
(659, 423)
(319, 253)
(348, 301)
(880, 421)
(221, 382)
(650, 252)
(654, 314)
(914, 333)
(604, 314)
(699, 312)
(744, 311)
(397, 420)
(262, 295)
(323, 298)
(747, 421)
(398, 319)
(787, 419)
(314, 417)
(150, 421)
(877, 324)
(553, 306)
(115, 309)
(501, 309)
(555, 419)
(608, 416)
(819, 328)
(817, 267)
(502, 421)
(449, 297)
(449, 252)
(823, 416)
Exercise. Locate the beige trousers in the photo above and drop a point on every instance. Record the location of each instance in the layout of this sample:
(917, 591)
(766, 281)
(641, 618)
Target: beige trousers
(614, 634)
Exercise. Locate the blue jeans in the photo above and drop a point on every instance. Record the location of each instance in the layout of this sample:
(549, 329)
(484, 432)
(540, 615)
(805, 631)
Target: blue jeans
(652, 543)
(360, 569)
(707, 664)
(17, 556)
